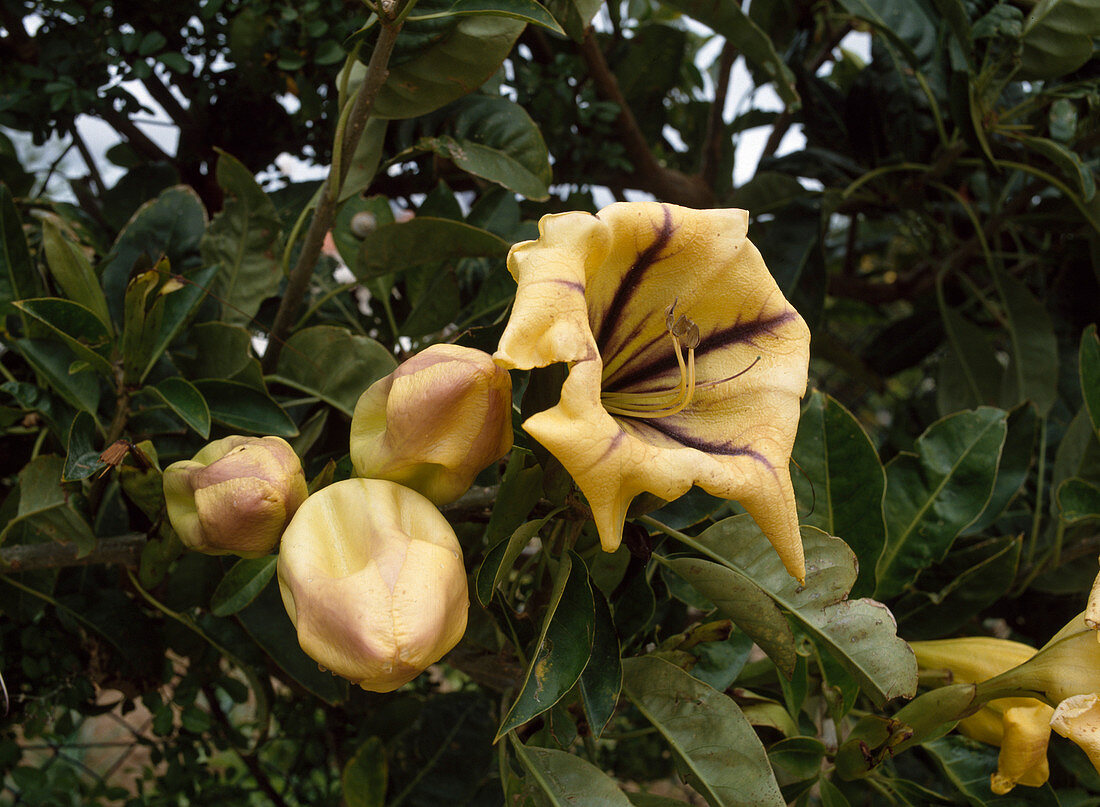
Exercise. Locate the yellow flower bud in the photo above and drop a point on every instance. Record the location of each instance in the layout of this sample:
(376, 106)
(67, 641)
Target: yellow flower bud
(235, 496)
(1020, 726)
(435, 422)
(372, 577)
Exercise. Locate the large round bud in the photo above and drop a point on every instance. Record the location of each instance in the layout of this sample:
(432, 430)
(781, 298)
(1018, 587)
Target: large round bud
(235, 496)
(435, 422)
(372, 577)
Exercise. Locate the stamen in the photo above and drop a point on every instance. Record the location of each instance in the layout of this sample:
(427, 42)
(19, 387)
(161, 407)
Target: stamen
(684, 333)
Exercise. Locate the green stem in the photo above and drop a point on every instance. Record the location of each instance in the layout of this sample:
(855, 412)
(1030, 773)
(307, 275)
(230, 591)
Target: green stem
(1037, 516)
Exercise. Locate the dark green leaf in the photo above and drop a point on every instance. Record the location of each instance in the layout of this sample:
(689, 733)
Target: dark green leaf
(859, 634)
(365, 160)
(520, 490)
(728, 20)
(1033, 364)
(44, 510)
(364, 775)
(422, 240)
(73, 272)
(569, 781)
(170, 225)
(970, 375)
(1068, 162)
(746, 603)
(602, 679)
(53, 360)
(574, 15)
(335, 365)
(179, 305)
(526, 10)
(239, 406)
(214, 350)
(496, 567)
(447, 68)
(18, 280)
(244, 241)
(81, 330)
(82, 459)
(841, 480)
(1014, 465)
(721, 754)
(1058, 37)
(488, 163)
(933, 495)
(1089, 370)
(1078, 500)
(563, 648)
(242, 584)
(186, 401)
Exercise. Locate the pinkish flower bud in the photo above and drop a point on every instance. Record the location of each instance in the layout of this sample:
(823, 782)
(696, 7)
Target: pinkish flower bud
(435, 422)
(235, 496)
(372, 577)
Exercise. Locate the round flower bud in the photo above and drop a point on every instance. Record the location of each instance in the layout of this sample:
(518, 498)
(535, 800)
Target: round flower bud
(435, 422)
(235, 496)
(372, 577)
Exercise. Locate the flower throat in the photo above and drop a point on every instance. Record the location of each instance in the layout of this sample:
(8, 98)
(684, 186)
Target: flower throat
(662, 403)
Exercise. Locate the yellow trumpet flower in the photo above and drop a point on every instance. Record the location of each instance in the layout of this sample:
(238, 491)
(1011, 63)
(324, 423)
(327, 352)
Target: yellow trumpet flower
(686, 363)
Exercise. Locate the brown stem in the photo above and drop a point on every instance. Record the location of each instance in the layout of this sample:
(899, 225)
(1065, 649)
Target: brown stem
(122, 549)
(323, 216)
(89, 160)
(665, 183)
(140, 141)
(716, 130)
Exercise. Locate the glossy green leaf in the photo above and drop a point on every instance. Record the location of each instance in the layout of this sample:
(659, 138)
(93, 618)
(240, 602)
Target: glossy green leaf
(334, 364)
(574, 15)
(969, 375)
(171, 225)
(1078, 500)
(841, 480)
(364, 776)
(239, 406)
(365, 160)
(179, 306)
(859, 634)
(242, 584)
(1068, 162)
(18, 280)
(449, 67)
(81, 457)
(1058, 37)
(563, 647)
(45, 510)
(971, 579)
(728, 20)
(77, 326)
(721, 755)
(214, 350)
(52, 360)
(244, 241)
(1088, 366)
(528, 11)
(182, 398)
(1078, 455)
(1013, 467)
(143, 312)
(745, 602)
(266, 621)
(488, 163)
(422, 240)
(73, 272)
(494, 570)
(967, 764)
(933, 495)
(520, 490)
(602, 679)
(1033, 363)
(566, 780)
(435, 305)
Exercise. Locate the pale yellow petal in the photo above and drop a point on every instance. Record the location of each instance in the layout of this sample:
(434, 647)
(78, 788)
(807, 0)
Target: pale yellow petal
(1023, 757)
(549, 321)
(1078, 718)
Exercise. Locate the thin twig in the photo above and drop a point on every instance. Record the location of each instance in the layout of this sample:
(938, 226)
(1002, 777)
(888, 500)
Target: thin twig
(89, 160)
(323, 216)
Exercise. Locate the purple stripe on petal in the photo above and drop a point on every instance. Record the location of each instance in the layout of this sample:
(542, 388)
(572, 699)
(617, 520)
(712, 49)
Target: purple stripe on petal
(632, 279)
(685, 439)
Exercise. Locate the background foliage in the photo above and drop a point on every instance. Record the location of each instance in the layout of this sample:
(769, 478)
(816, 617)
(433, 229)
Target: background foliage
(939, 230)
